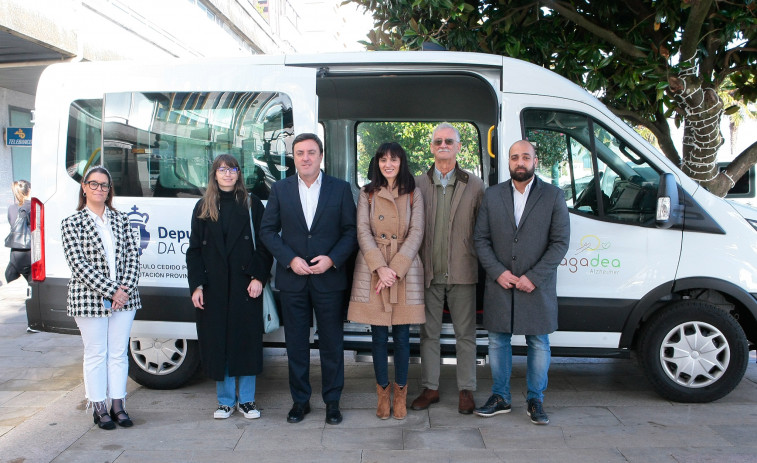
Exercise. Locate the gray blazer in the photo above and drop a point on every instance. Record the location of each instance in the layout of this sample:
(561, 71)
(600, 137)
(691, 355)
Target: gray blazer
(535, 249)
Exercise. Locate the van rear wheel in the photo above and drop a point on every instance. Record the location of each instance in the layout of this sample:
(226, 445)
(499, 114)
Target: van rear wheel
(693, 352)
(162, 363)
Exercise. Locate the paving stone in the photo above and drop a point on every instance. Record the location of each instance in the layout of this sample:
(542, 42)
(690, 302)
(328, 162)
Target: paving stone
(14, 416)
(641, 397)
(8, 395)
(561, 455)
(366, 418)
(432, 456)
(686, 414)
(689, 455)
(294, 436)
(52, 384)
(137, 438)
(444, 438)
(344, 438)
(738, 435)
(605, 382)
(79, 456)
(642, 436)
(523, 435)
(243, 456)
(35, 398)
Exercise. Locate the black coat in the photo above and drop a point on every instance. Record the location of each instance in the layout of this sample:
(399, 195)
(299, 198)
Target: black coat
(230, 327)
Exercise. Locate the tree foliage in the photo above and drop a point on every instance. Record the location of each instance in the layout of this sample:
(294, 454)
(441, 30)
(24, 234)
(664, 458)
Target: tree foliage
(415, 138)
(647, 60)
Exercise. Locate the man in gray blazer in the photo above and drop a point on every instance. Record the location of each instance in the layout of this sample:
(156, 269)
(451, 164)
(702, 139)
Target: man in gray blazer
(521, 235)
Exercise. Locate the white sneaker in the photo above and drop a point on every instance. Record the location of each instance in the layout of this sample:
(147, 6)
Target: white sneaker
(223, 412)
(250, 410)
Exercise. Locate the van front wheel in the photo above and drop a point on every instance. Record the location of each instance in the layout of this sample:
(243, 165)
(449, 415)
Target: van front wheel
(693, 352)
(162, 363)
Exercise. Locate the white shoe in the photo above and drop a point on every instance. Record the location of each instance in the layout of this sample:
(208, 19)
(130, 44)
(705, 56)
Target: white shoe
(223, 412)
(249, 410)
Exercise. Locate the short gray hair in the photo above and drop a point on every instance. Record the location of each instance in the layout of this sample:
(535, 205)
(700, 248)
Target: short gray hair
(445, 125)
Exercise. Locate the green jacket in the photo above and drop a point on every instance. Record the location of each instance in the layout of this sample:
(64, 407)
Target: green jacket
(462, 264)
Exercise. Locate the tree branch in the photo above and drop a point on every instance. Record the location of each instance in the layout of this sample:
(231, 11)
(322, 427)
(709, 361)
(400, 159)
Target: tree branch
(604, 34)
(729, 53)
(720, 185)
(693, 29)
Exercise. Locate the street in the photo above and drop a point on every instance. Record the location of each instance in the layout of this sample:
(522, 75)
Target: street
(600, 411)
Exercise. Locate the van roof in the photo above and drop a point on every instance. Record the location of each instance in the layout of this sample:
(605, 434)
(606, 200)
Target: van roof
(518, 76)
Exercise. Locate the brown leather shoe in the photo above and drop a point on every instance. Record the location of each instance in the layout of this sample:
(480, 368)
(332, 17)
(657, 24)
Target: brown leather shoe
(427, 397)
(466, 405)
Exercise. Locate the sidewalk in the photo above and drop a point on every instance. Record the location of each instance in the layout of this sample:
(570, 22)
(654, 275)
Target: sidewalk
(600, 411)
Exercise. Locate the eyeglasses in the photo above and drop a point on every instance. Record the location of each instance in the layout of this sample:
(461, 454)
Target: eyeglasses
(228, 170)
(103, 186)
(449, 141)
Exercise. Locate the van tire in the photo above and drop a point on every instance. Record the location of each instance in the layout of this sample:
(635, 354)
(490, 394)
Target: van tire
(722, 352)
(163, 363)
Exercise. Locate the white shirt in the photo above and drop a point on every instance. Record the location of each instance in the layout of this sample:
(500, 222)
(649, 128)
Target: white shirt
(309, 197)
(106, 235)
(519, 200)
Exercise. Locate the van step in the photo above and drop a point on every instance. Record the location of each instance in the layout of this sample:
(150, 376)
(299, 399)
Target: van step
(367, 357)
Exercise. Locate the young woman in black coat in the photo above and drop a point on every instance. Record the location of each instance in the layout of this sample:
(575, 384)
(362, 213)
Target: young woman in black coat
(227, 273)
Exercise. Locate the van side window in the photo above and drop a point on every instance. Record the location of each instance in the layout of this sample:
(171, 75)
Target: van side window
(84, 138)
(163, 144)
(599, 173)
(415, 138)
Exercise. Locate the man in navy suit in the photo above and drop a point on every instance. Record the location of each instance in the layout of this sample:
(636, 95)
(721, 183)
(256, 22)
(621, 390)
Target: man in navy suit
(315, 214)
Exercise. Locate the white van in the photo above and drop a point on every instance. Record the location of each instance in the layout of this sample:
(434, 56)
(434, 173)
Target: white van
(680, 291)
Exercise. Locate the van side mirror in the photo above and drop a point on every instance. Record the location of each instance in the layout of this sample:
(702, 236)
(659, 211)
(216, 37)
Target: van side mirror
(669, 212)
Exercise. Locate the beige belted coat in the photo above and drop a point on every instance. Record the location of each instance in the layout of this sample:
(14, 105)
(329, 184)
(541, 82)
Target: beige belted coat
(389, 232)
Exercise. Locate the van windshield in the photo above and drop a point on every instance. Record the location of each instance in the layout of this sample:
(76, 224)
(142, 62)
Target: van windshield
(163, 144)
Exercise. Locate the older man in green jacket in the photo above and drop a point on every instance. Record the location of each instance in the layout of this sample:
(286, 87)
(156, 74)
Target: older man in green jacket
(451, 199)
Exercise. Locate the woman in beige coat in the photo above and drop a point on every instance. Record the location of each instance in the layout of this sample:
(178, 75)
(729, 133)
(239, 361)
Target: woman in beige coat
(387, 289)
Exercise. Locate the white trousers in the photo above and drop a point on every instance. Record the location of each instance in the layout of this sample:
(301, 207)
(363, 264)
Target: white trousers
(106, 346)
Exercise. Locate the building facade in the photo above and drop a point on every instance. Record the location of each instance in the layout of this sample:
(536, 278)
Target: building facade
(35, 34)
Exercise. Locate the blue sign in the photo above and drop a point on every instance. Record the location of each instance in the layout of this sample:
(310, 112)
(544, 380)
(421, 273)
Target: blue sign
(18, 136)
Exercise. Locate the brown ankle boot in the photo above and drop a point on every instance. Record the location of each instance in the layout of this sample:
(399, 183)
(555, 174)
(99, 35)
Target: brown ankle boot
(400, 402)
(384, 401)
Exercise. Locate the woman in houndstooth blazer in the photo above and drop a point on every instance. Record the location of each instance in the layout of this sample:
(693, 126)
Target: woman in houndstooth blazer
(102, 251)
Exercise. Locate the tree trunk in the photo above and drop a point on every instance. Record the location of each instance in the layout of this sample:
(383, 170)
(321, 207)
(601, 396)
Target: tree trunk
(703, 110)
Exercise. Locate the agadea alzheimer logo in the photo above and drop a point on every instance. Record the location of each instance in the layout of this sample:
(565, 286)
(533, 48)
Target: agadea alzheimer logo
(593, 256)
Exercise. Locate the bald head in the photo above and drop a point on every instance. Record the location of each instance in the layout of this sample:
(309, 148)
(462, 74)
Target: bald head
(523, 146)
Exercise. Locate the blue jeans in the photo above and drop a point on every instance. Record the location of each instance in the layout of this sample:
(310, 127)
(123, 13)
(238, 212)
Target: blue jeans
(537, 366)
(401, 338)
(226, 390)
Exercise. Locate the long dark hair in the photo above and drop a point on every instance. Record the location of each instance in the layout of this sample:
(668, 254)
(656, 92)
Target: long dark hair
(209, 208)
(83, 199)
(405, 180)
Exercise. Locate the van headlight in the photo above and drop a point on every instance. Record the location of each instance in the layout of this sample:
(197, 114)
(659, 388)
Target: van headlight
(753, 223)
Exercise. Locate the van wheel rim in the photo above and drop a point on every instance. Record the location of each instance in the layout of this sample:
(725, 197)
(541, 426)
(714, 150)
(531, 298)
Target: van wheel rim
(695, 354)
(158, 356)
